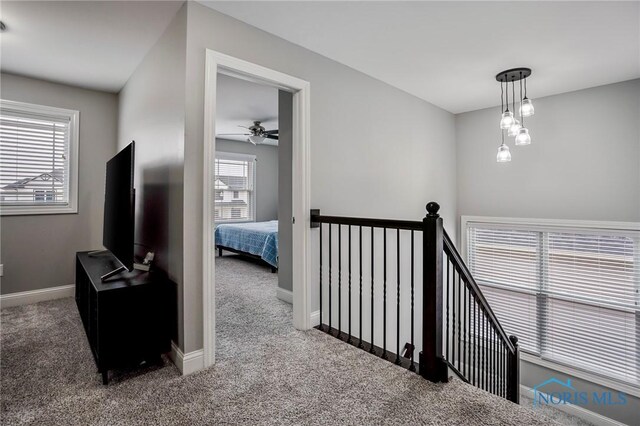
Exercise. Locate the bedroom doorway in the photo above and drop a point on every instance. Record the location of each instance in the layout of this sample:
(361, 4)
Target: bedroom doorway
(256, 189)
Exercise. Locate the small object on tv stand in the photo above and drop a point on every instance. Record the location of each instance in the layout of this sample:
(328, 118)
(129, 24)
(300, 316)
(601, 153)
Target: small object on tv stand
(146, 263)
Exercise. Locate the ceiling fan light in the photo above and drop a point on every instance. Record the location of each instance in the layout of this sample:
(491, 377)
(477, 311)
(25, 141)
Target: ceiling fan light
(526, 108)
(255, 139)
(507, 119)
(523, 137)
(504, 156)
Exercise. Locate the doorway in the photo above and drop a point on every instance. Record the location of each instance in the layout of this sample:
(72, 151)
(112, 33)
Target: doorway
(220, 64)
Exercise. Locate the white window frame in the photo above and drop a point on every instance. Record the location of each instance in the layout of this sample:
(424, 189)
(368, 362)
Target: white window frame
(74, 137)
(563, 224)
(252, 207)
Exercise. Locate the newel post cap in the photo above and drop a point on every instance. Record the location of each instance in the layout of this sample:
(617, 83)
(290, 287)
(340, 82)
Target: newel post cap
(432, 209)
(514, 340)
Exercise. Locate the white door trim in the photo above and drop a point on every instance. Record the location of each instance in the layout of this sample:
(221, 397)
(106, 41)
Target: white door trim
(216, 63)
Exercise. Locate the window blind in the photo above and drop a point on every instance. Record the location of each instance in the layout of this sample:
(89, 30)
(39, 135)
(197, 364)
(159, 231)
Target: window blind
(234, 187)
(571, 295)
(34, 158)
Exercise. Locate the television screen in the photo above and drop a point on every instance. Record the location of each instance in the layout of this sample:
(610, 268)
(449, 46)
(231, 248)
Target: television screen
(119, 198)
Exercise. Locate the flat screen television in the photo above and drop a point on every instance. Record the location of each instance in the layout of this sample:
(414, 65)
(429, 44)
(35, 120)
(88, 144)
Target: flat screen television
(119, 208)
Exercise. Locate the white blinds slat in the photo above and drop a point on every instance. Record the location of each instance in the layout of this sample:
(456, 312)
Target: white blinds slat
(571, 295)
(34, 158)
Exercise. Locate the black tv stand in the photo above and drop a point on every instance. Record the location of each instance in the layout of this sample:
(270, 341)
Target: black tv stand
(127, 318)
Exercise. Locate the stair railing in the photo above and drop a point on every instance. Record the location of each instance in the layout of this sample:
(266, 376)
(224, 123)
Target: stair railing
(460, 332)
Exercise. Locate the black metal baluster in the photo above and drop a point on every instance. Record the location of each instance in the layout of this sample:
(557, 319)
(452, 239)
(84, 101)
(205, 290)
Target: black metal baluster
(350, 335)
(502, 369)
(339, 280)
(459, 324)
(412, 367)
(486, 353)
(330, 273)
(493, 359)
(464, 329)
(473, 339)
(360, 345)
(398, 301)
(453, 321)
(321, 277)
(372, 265)
(384, 293)
(447, 334)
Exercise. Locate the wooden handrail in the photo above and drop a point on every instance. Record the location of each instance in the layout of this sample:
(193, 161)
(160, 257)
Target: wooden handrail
(367, 222)
(473, 287)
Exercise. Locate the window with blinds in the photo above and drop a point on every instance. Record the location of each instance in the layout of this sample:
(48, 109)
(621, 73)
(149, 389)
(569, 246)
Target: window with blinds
(571, 294)
(234, 186)
(38, 146)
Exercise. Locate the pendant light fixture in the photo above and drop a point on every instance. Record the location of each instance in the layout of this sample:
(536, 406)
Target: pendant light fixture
(526, 107)
(508, 122)
(507, 116)
(515, 127)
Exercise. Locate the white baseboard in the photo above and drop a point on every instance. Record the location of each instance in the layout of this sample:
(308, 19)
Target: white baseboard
(187, 363)
(284, 295)
(35, 296)
(315, 318)
(578, 411)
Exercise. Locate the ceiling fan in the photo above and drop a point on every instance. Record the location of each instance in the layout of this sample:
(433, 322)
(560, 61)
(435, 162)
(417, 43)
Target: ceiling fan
(257, 133)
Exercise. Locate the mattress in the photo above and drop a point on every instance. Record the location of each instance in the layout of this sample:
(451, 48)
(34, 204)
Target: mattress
(257, 238)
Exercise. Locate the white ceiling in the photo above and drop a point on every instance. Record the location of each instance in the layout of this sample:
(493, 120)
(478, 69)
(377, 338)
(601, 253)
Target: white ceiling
(448, 53)
(241, 102)
(95, 45)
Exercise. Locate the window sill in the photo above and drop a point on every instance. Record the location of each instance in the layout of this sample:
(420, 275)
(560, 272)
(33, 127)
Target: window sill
(36, 210)
(583, 375)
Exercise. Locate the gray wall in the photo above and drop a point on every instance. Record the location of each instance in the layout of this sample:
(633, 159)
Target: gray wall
(38, 251)
(402, 146)
(285, 188)
(152, 114)
(583, 163)
(266, 175)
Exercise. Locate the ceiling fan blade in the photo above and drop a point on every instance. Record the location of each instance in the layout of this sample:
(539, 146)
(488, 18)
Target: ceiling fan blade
(233, 134)
(271, 137)
(270, 132)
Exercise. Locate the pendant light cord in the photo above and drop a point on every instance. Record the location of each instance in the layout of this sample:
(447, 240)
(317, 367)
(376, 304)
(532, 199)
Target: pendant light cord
(525, 95)
(501, 98)
(506, 82)
(513, 95)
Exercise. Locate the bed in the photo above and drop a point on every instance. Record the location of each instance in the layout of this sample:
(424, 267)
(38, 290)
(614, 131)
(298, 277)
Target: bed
(258, 240)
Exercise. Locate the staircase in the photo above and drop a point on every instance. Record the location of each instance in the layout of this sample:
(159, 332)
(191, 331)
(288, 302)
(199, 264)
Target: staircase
(391, 287)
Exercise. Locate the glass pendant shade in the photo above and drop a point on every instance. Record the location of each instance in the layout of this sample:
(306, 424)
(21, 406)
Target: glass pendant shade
(523, 137)
(507, 120)
(504, 155)
(514, 128)
(256, 139)
(526, 108)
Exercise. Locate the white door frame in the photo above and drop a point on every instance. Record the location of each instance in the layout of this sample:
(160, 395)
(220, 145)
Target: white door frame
(219, 63)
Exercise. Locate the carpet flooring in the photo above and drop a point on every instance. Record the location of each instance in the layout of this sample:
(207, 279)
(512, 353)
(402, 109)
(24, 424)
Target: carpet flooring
(266, 373)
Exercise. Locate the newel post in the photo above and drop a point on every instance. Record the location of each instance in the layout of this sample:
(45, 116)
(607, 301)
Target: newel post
(432, 365)
(513, 378)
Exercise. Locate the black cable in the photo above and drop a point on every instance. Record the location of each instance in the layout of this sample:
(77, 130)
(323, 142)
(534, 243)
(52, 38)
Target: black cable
(501, 98)
(513, 97)
(506, 82)
(521, 115)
